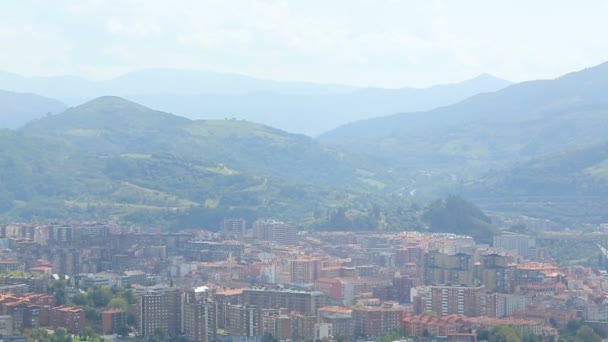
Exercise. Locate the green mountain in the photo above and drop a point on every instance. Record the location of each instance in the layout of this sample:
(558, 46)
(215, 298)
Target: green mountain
(569, 186)
(18, 108)
(112, 125)
(114, 158)
(299, 107)
(489, 131)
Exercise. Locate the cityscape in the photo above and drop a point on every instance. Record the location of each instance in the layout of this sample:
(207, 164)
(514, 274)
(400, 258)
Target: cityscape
(267, 280)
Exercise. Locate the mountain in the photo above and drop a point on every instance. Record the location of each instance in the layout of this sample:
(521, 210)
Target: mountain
(569, 186)
(18, 108)
(300, 107)
(112, 158)
(112, 125)
(491, 130)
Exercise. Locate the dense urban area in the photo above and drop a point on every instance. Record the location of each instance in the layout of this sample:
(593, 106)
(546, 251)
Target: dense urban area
(268, 281)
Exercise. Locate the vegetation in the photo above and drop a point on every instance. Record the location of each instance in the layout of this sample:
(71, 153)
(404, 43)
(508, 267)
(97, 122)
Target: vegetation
(455, 215)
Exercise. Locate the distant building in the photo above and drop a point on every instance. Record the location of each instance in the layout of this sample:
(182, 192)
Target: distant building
(234, 227)
(523, 245)
(304, 302)
(276, 231)
(445, 300)
(69, 317)
(112, 320)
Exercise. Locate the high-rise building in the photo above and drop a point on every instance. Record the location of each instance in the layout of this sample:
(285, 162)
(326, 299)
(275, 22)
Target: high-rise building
(69, 317)
(243, 320)
(440, 268)
(518, 243)
(153, 314)
(276, 231)
(112, 320)
(234, 227)
(305, 270)
(376, 321)
(450, 299)
(495, 273)
(304, 302)
(200, 321)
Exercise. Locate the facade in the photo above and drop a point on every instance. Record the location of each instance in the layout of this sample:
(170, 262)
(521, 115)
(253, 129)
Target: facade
(69, 317)
(243, 321)
(153, 314)
(304, 302)
(445, 300)
(112, 320)
(200, 321)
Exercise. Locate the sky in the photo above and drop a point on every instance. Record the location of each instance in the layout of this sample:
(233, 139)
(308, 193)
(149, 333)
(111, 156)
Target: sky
(380, 43)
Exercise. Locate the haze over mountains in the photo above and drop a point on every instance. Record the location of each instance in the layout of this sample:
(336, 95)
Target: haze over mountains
(18, 108)
(490, 130)
(535, 148)
(297, 107)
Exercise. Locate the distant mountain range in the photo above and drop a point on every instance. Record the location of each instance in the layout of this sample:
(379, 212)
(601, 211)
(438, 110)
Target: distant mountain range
(19, 108)
(490, 130)
(522, 149)
(115, 158)
(537, 148)
(298, 107)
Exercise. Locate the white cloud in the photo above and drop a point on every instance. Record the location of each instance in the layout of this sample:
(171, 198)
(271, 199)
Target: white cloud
(392, 43)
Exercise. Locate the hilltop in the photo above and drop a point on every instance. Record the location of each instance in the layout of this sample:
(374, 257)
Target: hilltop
(18, 108)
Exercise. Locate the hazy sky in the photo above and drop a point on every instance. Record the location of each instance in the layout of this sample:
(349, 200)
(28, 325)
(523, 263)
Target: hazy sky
(364, 42)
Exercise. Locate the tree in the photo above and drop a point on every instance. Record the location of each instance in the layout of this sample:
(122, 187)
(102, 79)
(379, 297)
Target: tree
(504, 333)
(160, 335)
(118, 303)
(58, 290)
(586, 334)
(80, 299)
(100, 296)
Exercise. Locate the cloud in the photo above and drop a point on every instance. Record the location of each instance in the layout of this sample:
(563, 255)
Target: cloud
(390, 43)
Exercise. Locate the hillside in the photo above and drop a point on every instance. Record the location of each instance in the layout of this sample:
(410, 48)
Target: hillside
(18, 108)
(112, 125)
(111, 158)
(489, 131)
(46, 178)
(300, 107)
(114, 158)
(570, 186)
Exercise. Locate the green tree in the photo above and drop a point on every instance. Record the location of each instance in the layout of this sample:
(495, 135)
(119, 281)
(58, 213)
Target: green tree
(118, 303)
(160, 335)
(80, 299)
(586, 334)
(504, 333)
(58, 290)
(99, 296)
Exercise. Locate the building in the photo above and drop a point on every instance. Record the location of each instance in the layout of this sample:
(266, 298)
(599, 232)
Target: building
(112, 320)
(6, 325)
(153, 314)
(214, 251)
(11, 265)
(200, 321)
(440, 268)
(234, 227)
(376, 321)
(305, 270)
(243, 321)
(523, 245)
(341, 319)
(304, 302)
(276, 231)
(69, 317)
(62, 234)
(445, 300)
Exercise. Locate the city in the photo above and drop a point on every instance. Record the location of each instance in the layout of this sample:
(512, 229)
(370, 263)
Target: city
(269, 280)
